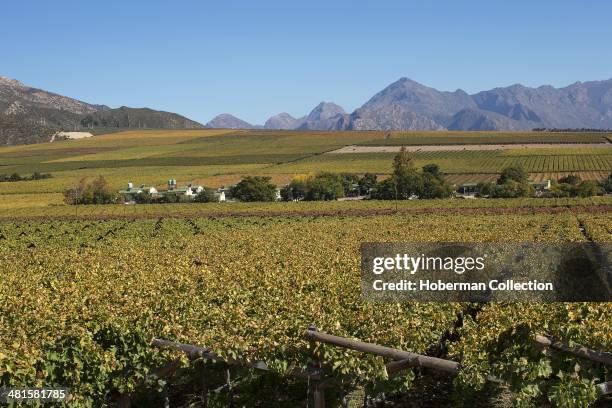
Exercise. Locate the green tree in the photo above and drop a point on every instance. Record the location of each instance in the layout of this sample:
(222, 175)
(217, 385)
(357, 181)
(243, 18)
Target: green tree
(207, 195)
(434, 187)
(432, 169)
(588, 188)
(607, 184)
(486, 189)
(560, 190)
(571, 179)
(409, 182)
(324, 186)
(254, 188)
(514, 173)
(385, 189)
(296, 190)
(349, 181)
(403, 160)
(367, 183)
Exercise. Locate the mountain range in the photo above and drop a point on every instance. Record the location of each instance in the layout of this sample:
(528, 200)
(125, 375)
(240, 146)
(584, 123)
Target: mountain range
(31, 115)
(409, 105)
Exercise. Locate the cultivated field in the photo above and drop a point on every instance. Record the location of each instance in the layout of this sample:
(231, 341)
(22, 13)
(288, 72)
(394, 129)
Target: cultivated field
(89, 295)
(86, 288)
(221, 157)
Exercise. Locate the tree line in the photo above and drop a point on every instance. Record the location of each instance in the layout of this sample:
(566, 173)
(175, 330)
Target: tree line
(17, 177)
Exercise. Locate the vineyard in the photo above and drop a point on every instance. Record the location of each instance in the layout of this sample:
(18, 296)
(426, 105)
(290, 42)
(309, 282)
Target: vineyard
(29, 210)
(484, 161)
(465, 138)
(215, 158)
(87, 288)
(81, 301)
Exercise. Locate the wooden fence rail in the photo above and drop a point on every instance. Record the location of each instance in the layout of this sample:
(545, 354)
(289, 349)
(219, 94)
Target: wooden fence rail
(581, 352)
(409, 359)
(401, 360)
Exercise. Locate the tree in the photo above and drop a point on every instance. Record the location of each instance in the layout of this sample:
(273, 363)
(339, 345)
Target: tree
(96, 192)
(99, 191)
(512, 189)
(73, 195)
(486, 189)
(571, 179)
(588, 188)
(432, 169)
(560, 190)
(403, 160)
(367, 183)
(434, 187)
(385, 189)
(349, 180)
(15, 177)
(296, 190)
(254, 188)
(324, 186)
(409, 182)
(207, 195)
(514, 173)
(607, 184)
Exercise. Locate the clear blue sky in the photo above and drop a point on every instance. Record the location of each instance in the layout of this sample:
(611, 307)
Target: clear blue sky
(258, 58)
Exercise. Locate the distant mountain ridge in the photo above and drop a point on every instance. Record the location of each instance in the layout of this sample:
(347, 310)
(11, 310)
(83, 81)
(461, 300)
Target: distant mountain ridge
(409, 105)
(32, 115)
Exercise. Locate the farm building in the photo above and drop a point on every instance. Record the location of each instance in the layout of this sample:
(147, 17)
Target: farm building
(189, 190)
(541, 186)
(130, 193)
(468, 189)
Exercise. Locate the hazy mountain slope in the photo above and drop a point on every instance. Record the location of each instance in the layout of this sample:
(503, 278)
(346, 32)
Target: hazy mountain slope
(12, 91)
(391, 117)
(125, 117)
(17, 129)
(587, 104)
(283, 121)
(406, 104)
(31, 115)
(227, 121)
(476, 119)
(324, 116)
